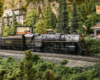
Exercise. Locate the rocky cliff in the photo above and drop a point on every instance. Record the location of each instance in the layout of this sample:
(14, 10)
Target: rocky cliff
(54, 5)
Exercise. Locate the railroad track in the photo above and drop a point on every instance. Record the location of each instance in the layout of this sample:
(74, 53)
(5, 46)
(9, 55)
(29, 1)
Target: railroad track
(95, 58)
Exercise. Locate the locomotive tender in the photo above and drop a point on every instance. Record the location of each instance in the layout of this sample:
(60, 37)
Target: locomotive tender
(58, 43)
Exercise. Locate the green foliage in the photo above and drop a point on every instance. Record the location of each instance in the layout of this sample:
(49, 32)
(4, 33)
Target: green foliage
(64, 61)
(26, 70)
(39, 10)
(9, 63)
(47, 14)
(63, 18)
(40, 61)
(40, 27)
(80, 29)
(31, 18)
(69, 10)
(7, 20)
(94, 20)
(11, 69)
(14, 19)
(6, 31)
(2, 27)
(87, 75)
(12, 30)
(62, 71)
(13, 27)
(1, 7)
(33, 23)
(53, 20)
(19, 24)
(49, 75)
(78, 1)
(77, 70)
(93, 45)
(2, 72)
(95, 68)
(35, 58)
(87, 14)
(74, 24)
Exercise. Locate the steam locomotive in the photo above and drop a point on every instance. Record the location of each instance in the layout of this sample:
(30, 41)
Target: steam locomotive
(54, 43)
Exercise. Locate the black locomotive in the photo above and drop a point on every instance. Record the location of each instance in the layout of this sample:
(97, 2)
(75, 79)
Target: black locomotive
(58, 43)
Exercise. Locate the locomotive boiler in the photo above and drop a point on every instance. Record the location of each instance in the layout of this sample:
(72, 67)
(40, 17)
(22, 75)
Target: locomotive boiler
(58, 43)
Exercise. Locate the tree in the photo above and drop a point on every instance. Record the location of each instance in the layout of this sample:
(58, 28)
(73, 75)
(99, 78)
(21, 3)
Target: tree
(64, 23)
(63, 17)
(42, 16)
(6, 31)
(47, 13)
(39, 10)
(58, 29)
(14, 19)
(49, 75)
(12, 29)
(26, 70)
(2, 25)
(7, 20)
(78, 2)
(94, 19)
(74, 24)
(53, 20)
(86, 12)
(14, 24)
(29, 17)
(1, 8)
(40, 27)
(33, 23)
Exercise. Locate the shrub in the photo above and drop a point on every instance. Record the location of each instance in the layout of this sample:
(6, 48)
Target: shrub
(48, 75)
(64, 61)
(62, 71)
(10, 59)
(35, 58)
(40, 61)
(77, 70)
(93, 45)
(6, 31)
(26, 71)
(87, 75)
(95, 68)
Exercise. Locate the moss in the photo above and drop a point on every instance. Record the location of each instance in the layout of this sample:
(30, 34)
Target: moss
(64, 61)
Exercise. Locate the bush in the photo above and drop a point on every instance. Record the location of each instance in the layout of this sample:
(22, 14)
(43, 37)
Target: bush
(62, 71)
(64, 61)
(12, 30)
(35, 58)
(77, 70)
(95, 68)
(40, 61)
(87, 75)
(6, 31)
(49, 75)
(10, 59)
(93, 45)
(12, 70)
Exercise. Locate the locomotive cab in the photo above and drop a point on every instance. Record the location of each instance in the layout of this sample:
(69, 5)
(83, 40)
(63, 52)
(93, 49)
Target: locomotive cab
(28, 40)
(49, 31)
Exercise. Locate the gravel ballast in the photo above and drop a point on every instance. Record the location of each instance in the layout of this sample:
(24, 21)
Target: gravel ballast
(71, 63)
